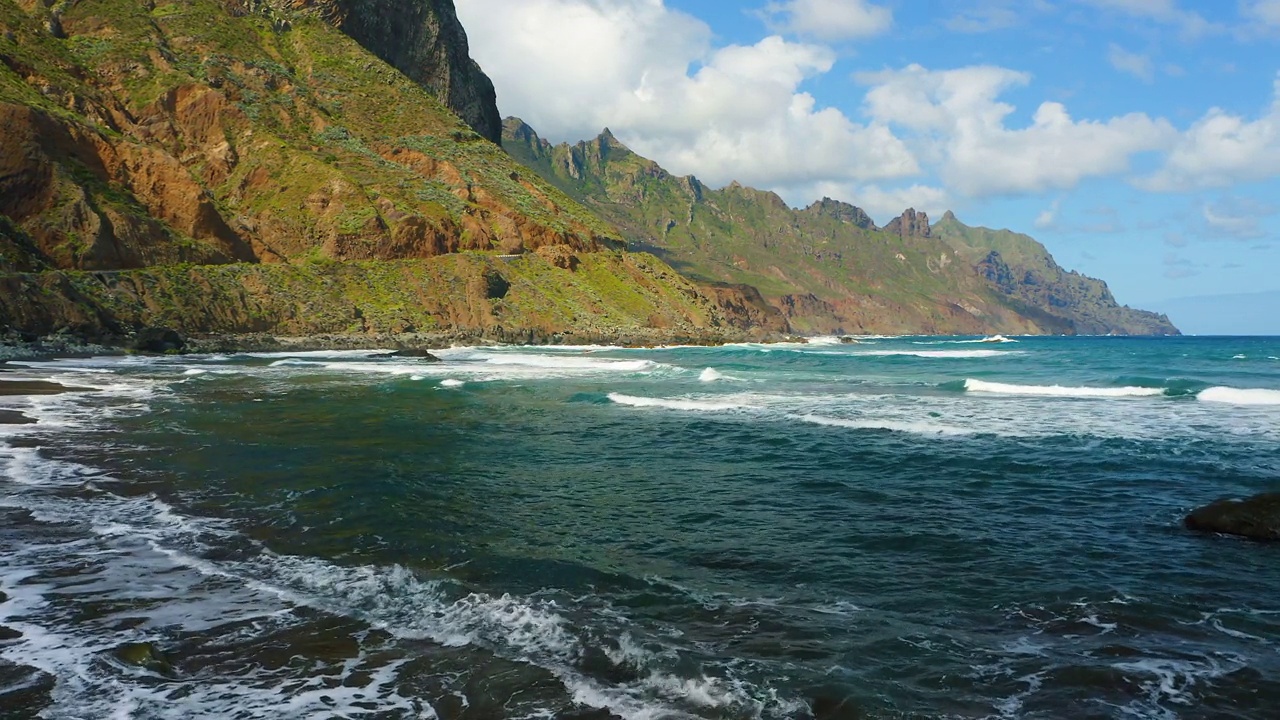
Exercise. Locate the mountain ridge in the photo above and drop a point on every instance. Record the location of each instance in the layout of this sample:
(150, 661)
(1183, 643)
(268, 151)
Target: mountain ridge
(827, 267)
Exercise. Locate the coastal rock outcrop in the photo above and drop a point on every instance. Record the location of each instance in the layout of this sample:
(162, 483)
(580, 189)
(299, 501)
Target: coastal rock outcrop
(1024, 272)
(158, 340)
(1256, 518)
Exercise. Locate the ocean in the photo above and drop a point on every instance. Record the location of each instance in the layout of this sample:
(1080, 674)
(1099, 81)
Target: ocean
(910, 527)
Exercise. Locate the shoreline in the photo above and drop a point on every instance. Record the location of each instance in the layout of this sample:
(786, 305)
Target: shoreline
(66, 345)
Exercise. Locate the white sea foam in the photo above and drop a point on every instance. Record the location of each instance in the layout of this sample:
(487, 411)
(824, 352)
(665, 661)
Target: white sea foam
(982, 386)
(148, 540)
(710, 375)
(452, 383)
(1240, 357)
(825, 340)
(1169, 680)
(912, 427)
(570, 362)
(297, 362)
(937, 354)
(676, 403)
(319, 354)
(1237, 396)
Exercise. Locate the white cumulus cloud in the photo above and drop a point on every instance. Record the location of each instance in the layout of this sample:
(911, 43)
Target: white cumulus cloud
(829, 19)
(958, 124)
(651, 74)
(1222, 149)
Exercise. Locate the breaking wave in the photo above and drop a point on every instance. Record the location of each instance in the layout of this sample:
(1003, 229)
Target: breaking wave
(1234, 396)
(983, 386)
(676, 403)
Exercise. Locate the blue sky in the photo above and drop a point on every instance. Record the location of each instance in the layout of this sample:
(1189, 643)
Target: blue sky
(1138, 139)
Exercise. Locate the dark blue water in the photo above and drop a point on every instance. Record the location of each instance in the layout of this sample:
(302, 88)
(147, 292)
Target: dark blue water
(899, 528)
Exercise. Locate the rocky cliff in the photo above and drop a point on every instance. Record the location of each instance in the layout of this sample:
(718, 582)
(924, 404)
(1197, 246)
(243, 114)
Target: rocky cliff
(1024, 271)
(139, 136)
(424, 40)
(825, 268)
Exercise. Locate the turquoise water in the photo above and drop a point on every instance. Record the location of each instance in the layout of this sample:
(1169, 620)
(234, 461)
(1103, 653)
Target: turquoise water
(898, 528)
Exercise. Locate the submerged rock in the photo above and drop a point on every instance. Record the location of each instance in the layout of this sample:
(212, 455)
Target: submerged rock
(834, 707)
(1256, 518)
(144, 655)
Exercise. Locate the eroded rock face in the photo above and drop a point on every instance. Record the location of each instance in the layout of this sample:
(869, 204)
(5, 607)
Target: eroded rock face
(910, 224)
(424, 40)
(744, 307)
(1256, 518)
(842, 211)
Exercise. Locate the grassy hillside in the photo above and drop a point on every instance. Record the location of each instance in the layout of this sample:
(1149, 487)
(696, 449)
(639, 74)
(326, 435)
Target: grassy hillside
(607, 295)
(251, 167)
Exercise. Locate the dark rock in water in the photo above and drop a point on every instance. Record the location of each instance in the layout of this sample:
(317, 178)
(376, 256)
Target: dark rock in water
(1256, 518)
(9, 634)
(158, 340)
(144, 655)
(410, 352)
(846, 340)
(835, 707)
(24, 691)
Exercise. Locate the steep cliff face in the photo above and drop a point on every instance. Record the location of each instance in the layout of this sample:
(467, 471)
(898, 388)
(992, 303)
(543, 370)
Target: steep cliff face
(1023, 270)
(826, 268)
(424, 40)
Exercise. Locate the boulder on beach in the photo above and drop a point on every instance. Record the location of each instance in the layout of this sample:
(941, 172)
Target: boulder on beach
(1256, 518)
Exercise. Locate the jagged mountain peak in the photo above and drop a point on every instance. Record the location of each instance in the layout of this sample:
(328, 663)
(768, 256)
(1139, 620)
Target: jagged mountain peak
(607, 137)
(514, 128)
(948, 216)
(910, 224)
(841, 211)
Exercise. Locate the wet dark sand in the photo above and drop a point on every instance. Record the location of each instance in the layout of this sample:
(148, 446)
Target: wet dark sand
(13, 417)
(34, 387)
